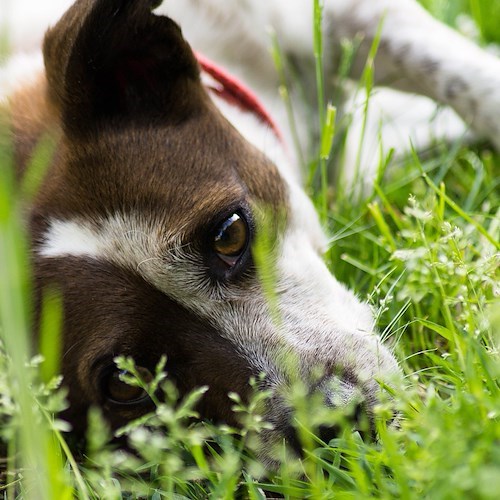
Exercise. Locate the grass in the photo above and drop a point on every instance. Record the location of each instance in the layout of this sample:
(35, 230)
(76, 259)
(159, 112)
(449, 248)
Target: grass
(422, 248)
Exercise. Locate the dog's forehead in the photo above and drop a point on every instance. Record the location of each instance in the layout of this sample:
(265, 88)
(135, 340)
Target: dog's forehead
(184, 174)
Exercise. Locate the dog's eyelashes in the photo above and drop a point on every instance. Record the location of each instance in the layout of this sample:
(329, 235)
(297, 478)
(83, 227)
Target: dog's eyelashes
(118, 391)
(230, 240)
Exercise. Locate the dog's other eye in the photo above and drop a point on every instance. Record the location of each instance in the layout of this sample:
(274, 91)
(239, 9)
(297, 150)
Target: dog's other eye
(118, 391)
(231, 239)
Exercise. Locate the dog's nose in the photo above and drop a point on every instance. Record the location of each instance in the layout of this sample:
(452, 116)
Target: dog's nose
(339, 392)
(351, 409)
(357, 419)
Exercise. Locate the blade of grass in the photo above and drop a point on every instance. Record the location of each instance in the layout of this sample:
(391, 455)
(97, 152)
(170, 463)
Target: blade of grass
(460, 212)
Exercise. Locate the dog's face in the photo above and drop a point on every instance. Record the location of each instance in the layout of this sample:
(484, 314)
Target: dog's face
(147, 222)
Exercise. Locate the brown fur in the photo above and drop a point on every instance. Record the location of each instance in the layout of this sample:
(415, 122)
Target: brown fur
(32, 115)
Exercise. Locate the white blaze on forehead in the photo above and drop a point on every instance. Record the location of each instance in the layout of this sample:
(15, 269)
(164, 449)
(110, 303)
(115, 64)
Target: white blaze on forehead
(69, 238)
(320, 322)
(321, 319)
(302, 263)
(130, 241)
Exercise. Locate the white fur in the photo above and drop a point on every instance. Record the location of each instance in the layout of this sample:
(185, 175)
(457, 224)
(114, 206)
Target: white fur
(416, 52)
(21, 69)
(70, 238)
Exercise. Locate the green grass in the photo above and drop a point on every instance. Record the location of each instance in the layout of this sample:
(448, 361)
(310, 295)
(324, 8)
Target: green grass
(422, 248)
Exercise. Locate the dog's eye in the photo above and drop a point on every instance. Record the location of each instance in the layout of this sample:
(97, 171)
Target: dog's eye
(231, 239)
(118, 391)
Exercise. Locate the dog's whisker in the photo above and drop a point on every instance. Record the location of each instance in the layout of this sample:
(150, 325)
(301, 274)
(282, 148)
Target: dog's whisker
(72, 347)
(137, 231)
(150, 259)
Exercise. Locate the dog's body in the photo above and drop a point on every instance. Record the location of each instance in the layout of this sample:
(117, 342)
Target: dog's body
(153, 201)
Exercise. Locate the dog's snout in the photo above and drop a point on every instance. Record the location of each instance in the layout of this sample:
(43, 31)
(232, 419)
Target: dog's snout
(351, 407)
(328, 408)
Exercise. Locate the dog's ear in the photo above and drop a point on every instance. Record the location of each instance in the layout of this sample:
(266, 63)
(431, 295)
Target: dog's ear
(114, 58)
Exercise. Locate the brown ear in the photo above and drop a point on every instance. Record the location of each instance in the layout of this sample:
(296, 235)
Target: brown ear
(115, 58)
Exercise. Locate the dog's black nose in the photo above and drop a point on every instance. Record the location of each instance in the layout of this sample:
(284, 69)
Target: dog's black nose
(356, 419)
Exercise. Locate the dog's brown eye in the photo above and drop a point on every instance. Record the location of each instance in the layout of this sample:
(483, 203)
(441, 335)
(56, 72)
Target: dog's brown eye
(231, 239)
(119, 391)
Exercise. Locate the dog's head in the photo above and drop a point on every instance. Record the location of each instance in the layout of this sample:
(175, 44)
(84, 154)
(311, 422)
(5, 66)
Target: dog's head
(147, 221)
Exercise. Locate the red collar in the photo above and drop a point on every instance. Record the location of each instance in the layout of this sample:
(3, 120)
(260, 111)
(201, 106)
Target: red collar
(236, 93)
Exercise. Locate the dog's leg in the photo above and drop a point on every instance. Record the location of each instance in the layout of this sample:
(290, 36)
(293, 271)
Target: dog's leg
(419, 54)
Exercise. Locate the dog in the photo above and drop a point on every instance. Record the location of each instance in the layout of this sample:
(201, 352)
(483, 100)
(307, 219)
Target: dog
(167, 170)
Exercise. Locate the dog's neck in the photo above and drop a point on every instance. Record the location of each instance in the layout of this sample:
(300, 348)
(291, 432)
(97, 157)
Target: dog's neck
(233, 91)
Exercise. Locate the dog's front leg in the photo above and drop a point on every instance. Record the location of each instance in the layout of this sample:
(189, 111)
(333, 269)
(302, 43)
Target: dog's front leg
(419, 54)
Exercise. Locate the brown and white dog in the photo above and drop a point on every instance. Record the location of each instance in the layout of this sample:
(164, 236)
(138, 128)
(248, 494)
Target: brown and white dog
(159, 187)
